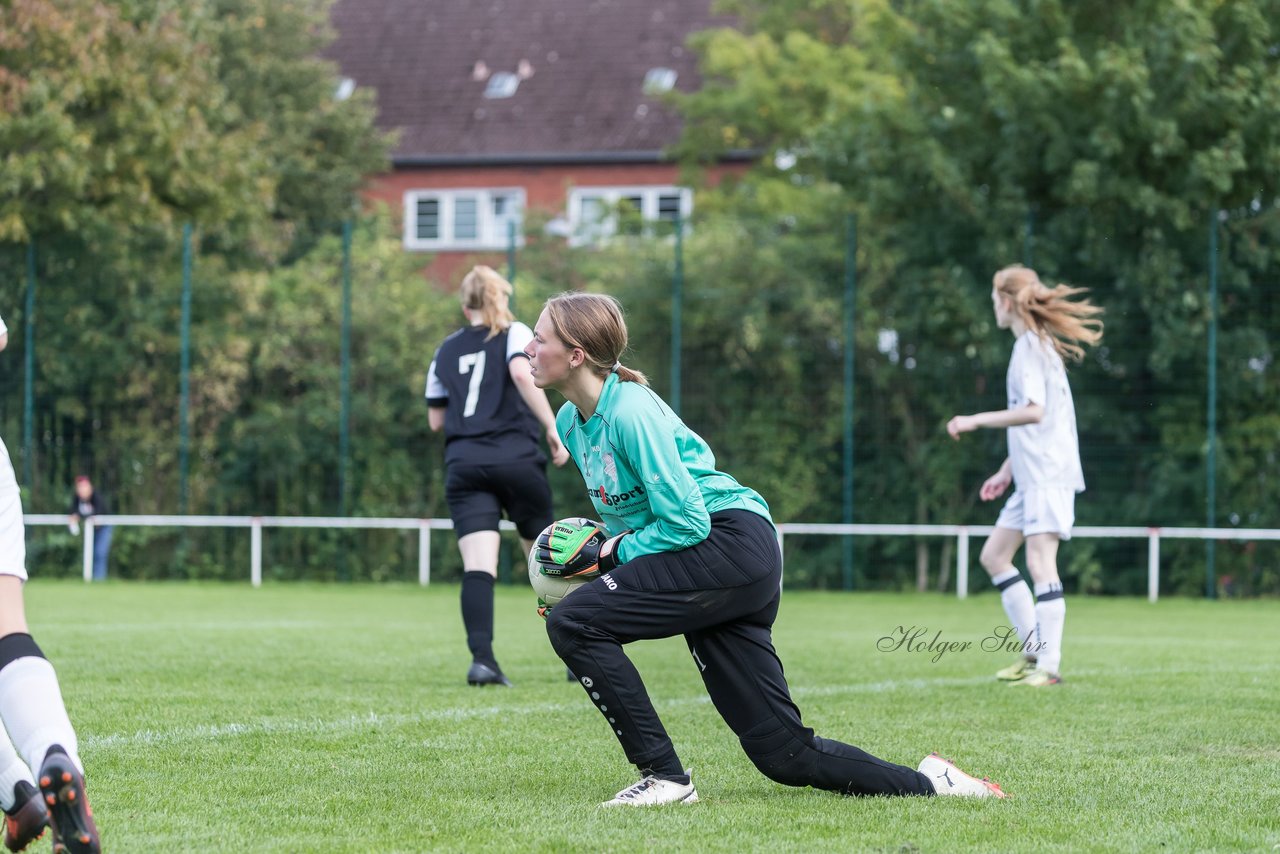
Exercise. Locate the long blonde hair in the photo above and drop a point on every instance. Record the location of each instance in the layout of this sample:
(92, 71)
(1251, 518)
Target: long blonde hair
(485, 291)
(1049, 312)
(594, 324)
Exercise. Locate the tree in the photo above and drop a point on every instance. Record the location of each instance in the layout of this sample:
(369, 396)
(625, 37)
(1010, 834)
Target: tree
(120, 122)
(120, 115)
(1094, 140)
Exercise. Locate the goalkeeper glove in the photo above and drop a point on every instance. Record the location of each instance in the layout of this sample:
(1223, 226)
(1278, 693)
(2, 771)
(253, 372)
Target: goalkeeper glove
(576, 547)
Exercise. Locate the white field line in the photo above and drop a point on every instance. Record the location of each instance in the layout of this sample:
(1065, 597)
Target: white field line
(374, 720)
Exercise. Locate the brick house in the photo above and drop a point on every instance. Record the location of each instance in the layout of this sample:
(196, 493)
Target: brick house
(508, 106)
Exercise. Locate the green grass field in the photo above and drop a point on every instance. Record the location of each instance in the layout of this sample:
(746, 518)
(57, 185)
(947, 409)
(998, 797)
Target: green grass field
(299, 718)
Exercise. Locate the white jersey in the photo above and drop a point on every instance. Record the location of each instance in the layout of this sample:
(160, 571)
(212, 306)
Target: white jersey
(1047, 453)
(13, 543)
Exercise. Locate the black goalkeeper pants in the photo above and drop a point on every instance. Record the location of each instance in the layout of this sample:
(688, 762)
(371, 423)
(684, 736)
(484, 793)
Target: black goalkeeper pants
(722, 595)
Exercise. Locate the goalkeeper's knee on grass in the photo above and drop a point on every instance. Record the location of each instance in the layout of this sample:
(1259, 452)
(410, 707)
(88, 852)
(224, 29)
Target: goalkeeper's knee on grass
(781, 755)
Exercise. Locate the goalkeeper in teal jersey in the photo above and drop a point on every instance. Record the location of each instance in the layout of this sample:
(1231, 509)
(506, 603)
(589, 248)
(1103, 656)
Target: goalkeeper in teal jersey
(682, 549)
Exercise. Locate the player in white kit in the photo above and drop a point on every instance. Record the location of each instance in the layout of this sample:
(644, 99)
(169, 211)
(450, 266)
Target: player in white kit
(31, 707)
(1043, 462)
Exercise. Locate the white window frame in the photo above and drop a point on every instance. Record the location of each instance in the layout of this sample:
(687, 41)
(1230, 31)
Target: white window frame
(491, 232)
(583, 233)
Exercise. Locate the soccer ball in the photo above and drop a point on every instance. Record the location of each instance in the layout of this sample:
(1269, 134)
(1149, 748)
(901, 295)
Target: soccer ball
(549, 588)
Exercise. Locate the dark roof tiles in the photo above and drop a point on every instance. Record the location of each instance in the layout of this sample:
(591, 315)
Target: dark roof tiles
(583, 62)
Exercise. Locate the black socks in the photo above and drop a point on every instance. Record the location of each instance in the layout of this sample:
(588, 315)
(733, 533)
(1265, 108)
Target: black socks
(477, 615)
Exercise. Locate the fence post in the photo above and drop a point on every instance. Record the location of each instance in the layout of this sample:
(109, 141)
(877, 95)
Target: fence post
(1153, 564)
(782, 555)
(850, 286)
(184, 372)
(344, 392)
(29, 369)
(677, 311)
(1211, 486)
(424, 552)
(962, 563)
(255, 551)
(1029, 237)
(87, 562)
(511, 259)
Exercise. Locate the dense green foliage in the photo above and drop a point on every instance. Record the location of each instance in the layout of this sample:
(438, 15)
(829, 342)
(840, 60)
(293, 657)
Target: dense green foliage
(335, 718)
(121, 123)
(1096, 141)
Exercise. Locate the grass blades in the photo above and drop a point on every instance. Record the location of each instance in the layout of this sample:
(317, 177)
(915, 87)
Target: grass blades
(331, 718)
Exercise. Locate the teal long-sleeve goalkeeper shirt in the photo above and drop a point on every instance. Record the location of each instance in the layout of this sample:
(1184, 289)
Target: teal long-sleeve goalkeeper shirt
(647, 472)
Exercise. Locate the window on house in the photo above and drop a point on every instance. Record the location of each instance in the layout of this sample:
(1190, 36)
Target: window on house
(669, 206)
(502, 85)
(598, 213)
(428, 225)
(462, 219)
(506, 216)
(658, 80)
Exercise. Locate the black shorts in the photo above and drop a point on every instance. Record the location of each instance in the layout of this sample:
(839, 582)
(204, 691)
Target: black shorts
(478, 495)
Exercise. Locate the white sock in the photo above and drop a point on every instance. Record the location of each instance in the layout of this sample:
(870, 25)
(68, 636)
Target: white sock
(32, 710)
(1019, 607)
(1051, 613)
(12, 770)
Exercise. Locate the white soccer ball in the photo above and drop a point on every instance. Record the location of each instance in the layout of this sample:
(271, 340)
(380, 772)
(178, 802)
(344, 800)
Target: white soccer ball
(549, 588)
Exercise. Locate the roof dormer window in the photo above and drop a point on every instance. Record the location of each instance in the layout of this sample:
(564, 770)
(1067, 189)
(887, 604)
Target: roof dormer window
(502, 85)
(659, 80)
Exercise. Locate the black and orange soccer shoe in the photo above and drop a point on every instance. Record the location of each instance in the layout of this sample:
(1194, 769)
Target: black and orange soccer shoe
(62, 786)
(25, 821)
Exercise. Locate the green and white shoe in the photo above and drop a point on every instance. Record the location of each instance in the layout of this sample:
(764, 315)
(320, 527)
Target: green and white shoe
(1019, 670)
(1038, 678)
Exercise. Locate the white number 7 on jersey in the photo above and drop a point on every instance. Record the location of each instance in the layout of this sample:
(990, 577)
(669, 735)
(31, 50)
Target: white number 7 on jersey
(472, 363)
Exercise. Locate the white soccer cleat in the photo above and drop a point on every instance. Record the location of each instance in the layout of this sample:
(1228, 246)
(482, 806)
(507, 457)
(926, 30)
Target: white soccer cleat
(948, 779)
(654, 792)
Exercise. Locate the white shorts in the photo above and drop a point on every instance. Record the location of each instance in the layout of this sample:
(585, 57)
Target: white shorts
(1040, 510)
(13, 539)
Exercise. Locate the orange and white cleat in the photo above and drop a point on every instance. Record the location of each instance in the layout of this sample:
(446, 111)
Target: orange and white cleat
(948, 779)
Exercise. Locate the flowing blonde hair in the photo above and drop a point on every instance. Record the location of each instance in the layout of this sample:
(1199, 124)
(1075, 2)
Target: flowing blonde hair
(1049, 312)
(594, 324)
(485, 291)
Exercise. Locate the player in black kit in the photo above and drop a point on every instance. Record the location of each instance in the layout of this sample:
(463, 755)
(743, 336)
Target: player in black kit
(481, 393)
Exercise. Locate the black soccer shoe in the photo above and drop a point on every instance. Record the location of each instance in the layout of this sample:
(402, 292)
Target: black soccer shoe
(25, 821)
(483, 674)
(62, 786)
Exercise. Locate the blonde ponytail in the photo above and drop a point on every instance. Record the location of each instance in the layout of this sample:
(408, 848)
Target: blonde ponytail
(486, 292)
(1050, 312)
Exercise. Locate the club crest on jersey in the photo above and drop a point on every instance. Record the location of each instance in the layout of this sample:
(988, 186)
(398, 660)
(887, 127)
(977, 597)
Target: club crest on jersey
(610, 468)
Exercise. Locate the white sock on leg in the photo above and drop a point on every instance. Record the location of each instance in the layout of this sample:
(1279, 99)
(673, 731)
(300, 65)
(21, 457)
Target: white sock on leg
(1019, 607)
(12, 769)
(32, 710)
(1051, 613)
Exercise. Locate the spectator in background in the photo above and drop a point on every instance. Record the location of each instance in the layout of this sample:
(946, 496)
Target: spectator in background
(86, 503)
